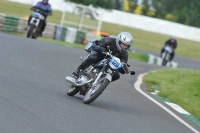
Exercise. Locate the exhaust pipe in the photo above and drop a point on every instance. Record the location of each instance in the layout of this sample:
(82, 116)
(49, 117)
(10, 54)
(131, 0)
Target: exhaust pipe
(73, 81)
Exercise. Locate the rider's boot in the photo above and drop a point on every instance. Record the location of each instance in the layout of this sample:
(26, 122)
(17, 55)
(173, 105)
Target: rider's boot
(41, 33)
(83, 65)
(77, 72)
(171, 56)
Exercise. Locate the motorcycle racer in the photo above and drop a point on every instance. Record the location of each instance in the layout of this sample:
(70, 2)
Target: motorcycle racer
(118, 46)
(44, 8)
(172, 42)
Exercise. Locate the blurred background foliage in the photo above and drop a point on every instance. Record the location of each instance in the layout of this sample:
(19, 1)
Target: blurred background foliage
(186, 12)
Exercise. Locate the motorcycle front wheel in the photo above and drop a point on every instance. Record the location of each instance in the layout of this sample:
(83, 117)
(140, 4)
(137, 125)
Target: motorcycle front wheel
(164, 62)
(93, 93)
(72, 90)
(30, 30)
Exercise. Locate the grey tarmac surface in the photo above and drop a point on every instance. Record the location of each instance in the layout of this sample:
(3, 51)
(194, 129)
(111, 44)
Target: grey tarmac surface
(33, 95)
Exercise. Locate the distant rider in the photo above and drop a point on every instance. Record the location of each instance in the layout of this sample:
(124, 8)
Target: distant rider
(118, 46)
(43, 8)
(172, 43)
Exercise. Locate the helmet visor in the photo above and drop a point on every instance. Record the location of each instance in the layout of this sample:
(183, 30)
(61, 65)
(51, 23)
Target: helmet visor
(123, 46)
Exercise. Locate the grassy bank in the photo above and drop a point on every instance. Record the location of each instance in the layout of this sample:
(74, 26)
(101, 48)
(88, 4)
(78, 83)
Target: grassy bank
(180, 86)
(142, 39)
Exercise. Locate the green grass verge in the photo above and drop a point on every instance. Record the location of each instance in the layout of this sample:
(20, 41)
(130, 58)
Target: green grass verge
(142, 39)
(180, 86)
(137, 56)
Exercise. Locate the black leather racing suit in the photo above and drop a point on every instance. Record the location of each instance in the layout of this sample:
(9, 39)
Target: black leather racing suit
(97, 55)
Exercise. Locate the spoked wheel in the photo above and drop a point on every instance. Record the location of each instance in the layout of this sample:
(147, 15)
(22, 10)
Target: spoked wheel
(72, 90)
(93, 93)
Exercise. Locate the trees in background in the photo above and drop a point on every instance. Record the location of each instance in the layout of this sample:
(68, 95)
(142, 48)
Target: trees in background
(182, 11)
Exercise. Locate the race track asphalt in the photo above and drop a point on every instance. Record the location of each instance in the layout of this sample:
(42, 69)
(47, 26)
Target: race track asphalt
(33, 95)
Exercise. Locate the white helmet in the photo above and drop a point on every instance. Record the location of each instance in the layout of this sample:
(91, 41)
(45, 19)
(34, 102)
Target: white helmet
(45, 1)
(124, 38)
(173, 37)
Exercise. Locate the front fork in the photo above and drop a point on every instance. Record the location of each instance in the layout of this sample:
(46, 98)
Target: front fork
(108, 76)
(97, 79)
(99, 75)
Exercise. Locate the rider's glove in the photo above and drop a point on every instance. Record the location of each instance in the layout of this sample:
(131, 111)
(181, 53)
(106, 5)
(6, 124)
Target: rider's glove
(124, 70)
(97, 42)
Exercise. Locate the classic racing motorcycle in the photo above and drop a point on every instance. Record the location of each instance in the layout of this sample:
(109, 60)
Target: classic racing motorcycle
(35, 25)
(166, 55)
(94, 79)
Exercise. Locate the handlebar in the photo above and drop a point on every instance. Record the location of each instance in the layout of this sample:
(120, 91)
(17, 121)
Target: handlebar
(123, 63)
(109, 54)
(39, 11)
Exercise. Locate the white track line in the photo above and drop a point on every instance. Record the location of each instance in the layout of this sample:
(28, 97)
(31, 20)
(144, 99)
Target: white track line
(137, 87)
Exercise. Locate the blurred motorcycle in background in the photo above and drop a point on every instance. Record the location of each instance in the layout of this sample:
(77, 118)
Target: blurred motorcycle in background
(166, 55)
(36, 22)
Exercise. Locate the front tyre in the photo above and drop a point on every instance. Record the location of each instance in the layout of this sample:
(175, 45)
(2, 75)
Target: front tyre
(72, 90)
(164, 62)
(93, 93)
(30, 30)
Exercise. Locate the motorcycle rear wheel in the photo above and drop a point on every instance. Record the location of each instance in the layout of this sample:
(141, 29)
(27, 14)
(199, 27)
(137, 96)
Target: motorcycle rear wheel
(93, 93)
(72, 90)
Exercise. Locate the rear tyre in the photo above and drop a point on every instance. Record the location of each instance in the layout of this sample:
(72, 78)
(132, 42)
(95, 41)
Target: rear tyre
(30, 30)
(72, 90)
